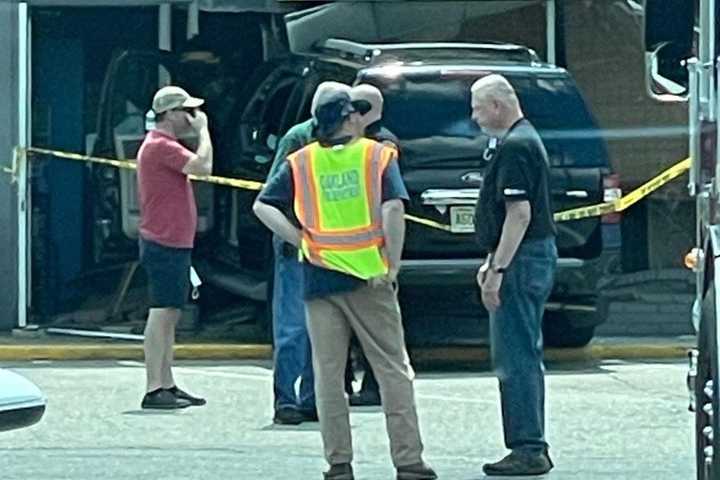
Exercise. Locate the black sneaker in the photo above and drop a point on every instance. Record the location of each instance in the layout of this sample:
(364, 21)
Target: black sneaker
(365, 398)
(163, 400)
(288, 416)
(181, 394)
(416, 471)
(520, 464)
(339, 471)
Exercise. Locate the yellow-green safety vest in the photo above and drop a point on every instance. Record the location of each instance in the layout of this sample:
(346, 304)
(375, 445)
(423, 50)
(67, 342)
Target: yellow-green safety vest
(338, 202)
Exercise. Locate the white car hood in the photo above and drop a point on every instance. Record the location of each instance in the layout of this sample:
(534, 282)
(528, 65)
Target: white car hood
(17, 392)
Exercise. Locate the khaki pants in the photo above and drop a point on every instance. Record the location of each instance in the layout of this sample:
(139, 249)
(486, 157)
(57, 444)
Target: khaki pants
(374, 315)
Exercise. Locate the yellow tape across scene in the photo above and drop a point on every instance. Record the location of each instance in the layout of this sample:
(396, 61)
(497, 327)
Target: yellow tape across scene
(625, 201)
(130, 164)
(578, 213)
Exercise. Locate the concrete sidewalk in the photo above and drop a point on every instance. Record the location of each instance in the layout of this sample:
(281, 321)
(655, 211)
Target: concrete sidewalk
(70, 348)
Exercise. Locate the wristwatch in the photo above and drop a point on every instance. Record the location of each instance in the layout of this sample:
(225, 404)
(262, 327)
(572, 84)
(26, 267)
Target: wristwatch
(498, 269)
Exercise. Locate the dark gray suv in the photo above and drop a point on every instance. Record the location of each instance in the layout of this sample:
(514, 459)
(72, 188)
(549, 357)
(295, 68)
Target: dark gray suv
(443, 153)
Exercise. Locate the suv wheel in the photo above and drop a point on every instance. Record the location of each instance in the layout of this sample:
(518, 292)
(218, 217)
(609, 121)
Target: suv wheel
(559, 331)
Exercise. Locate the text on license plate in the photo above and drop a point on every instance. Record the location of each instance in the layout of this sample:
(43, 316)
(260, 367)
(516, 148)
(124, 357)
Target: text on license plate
(462, 219)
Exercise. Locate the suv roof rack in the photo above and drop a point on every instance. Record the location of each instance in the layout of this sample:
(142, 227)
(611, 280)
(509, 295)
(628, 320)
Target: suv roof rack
(369, 52)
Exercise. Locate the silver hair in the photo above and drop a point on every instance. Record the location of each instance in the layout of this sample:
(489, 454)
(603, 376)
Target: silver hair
(497, 87)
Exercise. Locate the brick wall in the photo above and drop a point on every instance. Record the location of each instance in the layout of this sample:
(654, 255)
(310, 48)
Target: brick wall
(605, 55)
(604, 51)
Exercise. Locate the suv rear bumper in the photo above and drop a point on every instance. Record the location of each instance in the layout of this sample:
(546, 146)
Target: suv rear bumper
(458, 271)
(574, 290)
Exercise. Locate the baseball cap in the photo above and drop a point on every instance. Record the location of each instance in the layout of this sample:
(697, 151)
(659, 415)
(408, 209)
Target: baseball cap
(170, 97)
(331, 110)
(323, 89)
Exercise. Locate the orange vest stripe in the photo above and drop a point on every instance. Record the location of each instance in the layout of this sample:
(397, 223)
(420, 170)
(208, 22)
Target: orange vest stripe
(310, 178)
(346, 239)
(373, 242)
(302, 192)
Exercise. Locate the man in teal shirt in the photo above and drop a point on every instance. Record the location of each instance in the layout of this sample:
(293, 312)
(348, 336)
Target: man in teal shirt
(292, 353)
(292, 356)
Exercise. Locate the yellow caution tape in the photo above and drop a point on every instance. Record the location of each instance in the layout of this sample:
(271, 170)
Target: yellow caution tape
(578, 213)
(599, 209)
(625, 201)
(82, 158)
(428, 223)
(131, 165)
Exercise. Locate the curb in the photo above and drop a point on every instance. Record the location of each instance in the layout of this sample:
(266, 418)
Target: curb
(624, 351)
(212, 351)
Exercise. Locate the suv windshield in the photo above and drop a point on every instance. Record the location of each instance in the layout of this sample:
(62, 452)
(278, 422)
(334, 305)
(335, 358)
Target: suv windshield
(430, 114)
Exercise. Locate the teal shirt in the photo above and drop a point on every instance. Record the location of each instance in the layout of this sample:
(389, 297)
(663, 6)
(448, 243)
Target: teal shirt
(296, 138)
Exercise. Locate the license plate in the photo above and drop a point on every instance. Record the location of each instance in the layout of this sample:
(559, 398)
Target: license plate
(462, 219)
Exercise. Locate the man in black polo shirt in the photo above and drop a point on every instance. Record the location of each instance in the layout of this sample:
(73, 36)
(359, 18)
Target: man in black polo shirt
(514, 225)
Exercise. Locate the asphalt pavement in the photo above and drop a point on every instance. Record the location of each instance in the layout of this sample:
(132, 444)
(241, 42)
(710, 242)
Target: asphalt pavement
(607, 419)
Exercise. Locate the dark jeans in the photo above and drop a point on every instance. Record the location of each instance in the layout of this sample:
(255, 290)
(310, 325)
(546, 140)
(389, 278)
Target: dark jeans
(292, 355)
(517, 347)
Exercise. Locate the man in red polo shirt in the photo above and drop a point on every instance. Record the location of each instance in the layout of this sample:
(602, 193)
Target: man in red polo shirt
(168, 220)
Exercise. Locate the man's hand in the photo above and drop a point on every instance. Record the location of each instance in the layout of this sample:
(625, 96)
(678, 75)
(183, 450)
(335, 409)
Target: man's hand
(489, 282)
(198, 120)
(387, 279)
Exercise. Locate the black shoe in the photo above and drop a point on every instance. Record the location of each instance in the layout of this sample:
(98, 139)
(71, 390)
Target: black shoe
(520, 464)
(339, 471)
(288, 416)
(365, 398)
(163, 400)
(416, 471)
(181, 394)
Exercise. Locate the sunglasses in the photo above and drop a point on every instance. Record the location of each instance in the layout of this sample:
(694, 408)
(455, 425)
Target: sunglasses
(188, 110)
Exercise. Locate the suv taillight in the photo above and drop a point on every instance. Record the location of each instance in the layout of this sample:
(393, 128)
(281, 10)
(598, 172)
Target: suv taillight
(611, 192)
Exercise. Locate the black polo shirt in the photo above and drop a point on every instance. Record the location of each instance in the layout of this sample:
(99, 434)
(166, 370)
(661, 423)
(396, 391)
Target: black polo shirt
(520, 170)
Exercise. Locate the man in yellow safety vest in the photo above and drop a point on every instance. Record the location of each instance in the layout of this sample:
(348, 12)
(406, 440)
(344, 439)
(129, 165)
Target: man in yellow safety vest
(340, 201)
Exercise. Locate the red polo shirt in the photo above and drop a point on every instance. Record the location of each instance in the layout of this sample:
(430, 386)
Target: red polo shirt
(168, 214)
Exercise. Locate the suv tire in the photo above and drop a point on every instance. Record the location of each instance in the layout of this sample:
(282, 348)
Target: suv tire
(559, 331)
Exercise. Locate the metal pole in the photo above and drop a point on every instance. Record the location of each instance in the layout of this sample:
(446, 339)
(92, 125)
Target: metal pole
(164, 39)
(694, 177)
(193, 20)
(550, 13)
(706, 56)
(712, 93)
(23, 243)
(165, 27)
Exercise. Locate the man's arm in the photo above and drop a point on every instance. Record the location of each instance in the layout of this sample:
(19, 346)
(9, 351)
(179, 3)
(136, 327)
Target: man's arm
(202, 162)
(517, 219)
(286, 146)
(294, 139)
(276, 196)
(276, 221)
(393, 224)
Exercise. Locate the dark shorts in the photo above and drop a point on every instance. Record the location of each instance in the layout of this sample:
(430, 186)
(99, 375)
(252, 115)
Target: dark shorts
(168, 274)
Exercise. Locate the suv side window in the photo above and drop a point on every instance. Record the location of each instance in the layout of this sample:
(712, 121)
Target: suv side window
(268, 115)
(556, 108)
(300, 111)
